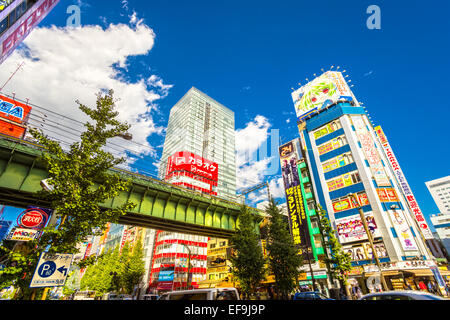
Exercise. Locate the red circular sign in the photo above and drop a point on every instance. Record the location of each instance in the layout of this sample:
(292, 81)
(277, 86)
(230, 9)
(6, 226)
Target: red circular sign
(32, 218)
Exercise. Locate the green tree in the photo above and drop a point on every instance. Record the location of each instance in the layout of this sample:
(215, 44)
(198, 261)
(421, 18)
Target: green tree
(81, 182)
(72, 283)
(340, 261)
(134, 267)
(284, 260)
(247, 258)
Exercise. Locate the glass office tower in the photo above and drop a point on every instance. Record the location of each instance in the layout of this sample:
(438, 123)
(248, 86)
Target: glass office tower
(203, 126)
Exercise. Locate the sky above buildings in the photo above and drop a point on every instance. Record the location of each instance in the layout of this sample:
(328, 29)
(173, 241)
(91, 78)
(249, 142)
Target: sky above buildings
(248, 55)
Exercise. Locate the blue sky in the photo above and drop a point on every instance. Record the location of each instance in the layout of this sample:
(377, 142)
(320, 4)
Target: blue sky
(248, 54)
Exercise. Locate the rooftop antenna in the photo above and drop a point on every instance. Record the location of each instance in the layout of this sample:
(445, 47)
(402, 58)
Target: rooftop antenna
(12, 75)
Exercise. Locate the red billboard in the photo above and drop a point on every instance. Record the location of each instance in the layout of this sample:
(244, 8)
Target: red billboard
(13, 117)
(192, 163)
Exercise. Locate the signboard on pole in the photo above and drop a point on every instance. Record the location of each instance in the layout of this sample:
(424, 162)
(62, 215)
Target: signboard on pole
(404, 186)
(51, 270)
(21, 234)
(289, 156)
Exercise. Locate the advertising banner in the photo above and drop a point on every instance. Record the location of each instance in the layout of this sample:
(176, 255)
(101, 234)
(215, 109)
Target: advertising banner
(327, 129)
(370, 151)
(23, 26)
(190, 162)
(13, 117)
(401, 265)
(21, 234)
(34, 218)
(364, 251)
(351, 229)
(387, 195)
(337, 162)
(403, 230)
(323, 91)
(343, 181)
(348, 203)
(331, 145)
(289, 156)
(404, 186)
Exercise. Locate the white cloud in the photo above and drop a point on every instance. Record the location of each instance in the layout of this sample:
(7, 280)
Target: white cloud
(67, 64)
(248, 140)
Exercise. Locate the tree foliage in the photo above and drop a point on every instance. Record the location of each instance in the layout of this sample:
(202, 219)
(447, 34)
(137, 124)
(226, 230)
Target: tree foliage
(340, 261)
(81, 182)
(284, 260)
(247, 258)
(116, 271)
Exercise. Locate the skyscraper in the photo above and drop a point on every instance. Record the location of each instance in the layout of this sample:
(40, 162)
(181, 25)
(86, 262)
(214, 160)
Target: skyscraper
(199, 140)
(344, 157)
(203, 126)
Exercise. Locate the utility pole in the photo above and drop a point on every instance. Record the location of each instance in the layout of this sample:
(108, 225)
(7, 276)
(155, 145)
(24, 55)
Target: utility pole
(370, 237)
(12, 75)
(257, 187)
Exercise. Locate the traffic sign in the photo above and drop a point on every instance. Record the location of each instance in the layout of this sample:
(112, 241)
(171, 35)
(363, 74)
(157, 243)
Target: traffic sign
(52, 270)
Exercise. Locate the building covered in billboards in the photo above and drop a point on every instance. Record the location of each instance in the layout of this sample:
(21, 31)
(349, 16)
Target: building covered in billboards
(17, 19)
(190, 171)
(302, 215)
(193, 172)
(345, 157)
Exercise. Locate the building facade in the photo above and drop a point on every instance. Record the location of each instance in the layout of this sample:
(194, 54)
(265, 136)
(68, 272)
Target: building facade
(441, 223)
(198, 154)
(440, 191)
(17, 20)
(345, 157)
(203, 126)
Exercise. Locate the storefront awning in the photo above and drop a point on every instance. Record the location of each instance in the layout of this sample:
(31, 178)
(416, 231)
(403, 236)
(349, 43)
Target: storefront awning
(385, 273)
(445, 272)
(419, 272)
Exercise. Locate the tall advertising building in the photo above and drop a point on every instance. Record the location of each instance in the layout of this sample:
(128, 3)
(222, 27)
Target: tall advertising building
(345, 156)
(203, 126)
(302, 216)
(199, 154)
(17, 19)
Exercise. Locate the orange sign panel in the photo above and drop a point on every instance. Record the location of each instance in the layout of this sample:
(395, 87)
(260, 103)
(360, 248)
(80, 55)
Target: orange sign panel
(13, 115)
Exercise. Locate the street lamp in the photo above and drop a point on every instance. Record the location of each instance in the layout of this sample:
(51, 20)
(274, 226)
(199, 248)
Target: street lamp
(127, 136)
(189, 265)
(370, 237)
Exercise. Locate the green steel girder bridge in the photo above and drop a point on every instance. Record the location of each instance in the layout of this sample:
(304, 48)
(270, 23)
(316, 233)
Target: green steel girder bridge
(159, 205)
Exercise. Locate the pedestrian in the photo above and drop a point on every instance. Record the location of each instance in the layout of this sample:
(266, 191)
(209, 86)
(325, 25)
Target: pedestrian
(422, 286)
(342, 294)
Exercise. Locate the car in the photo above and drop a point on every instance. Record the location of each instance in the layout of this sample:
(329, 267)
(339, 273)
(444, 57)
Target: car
(202, 294)
(310, 295)
(149, 297)
(401, 295)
